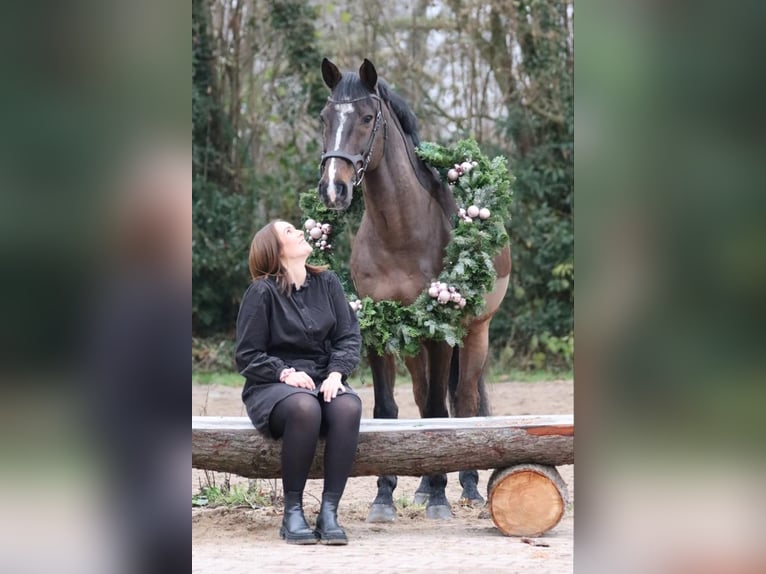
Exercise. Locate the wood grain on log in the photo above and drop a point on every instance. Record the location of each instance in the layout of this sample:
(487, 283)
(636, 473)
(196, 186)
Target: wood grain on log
(526, 499)
(410, 447)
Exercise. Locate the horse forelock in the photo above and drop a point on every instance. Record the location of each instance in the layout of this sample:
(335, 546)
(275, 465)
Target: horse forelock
(349, 88)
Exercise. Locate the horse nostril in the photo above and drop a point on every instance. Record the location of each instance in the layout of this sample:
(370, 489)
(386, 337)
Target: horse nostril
(341, 189)
(323, 191)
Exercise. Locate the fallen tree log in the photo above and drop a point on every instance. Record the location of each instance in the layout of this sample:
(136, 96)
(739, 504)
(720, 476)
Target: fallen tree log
(409, 447)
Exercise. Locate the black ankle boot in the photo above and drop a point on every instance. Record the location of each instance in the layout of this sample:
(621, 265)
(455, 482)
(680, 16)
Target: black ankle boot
(327, 521)
(295, 529)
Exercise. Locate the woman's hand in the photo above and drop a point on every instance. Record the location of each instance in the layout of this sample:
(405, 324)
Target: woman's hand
(299, 379)
(331, 386)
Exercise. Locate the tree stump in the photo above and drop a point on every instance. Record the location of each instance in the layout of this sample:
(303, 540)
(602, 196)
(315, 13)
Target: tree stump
(526, 499)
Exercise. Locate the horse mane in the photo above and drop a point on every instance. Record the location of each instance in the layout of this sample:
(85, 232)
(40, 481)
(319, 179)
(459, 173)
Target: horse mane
(350, 87)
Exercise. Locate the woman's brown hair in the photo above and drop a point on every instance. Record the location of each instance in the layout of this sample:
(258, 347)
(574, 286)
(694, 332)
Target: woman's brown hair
(265, 258)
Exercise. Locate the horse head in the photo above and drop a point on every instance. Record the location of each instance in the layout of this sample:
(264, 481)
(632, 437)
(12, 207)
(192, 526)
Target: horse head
(351, 141)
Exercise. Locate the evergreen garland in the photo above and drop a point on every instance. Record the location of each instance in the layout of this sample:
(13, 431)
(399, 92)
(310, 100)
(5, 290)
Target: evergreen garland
(390, 326)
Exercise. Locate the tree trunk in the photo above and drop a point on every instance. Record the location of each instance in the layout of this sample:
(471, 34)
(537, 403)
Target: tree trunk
(526, 499)
(410, 447)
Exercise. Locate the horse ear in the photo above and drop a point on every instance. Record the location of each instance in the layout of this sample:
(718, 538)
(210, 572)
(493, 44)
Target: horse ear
(368, 75)
(330, 73)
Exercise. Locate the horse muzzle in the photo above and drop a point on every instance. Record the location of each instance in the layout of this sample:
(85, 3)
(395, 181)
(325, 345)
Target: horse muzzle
(335, 195)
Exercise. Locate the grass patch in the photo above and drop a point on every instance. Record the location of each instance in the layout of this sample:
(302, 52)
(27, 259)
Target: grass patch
(254, 494)
(225, 379)
(534, 376)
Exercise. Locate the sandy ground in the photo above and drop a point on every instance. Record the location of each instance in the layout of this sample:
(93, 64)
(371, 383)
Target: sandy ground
(239, 540)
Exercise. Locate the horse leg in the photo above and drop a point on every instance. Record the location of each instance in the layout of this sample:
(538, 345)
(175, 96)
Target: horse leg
(470, 398)
(383, 380)
(432, 403)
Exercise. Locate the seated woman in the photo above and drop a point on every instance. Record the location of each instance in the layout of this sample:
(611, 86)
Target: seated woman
(297, 342)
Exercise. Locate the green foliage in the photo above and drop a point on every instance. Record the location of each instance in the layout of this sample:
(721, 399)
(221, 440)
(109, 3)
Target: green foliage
(213, 355)
(389, 326)
(231, 495)
(537, 319)
(231, 196)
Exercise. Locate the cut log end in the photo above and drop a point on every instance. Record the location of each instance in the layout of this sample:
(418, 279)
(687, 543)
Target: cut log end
(526, 499)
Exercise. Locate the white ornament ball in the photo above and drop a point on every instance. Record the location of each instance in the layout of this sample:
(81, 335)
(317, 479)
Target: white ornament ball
(461, 212)
(466, 166)
(456, 297)
(472, 211)
(484, 213)
(328, 246)
(442, 287)
(315, 233)
(462, 303)
(310, 224)
(452, 175)
(326, 228)
(324, 237)
(444, 296)
(468, 220)
(474, 163)
(433, 291)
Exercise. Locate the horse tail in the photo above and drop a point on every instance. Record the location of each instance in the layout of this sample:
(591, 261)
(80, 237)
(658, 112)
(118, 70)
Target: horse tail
(454, 377)
(483, 400)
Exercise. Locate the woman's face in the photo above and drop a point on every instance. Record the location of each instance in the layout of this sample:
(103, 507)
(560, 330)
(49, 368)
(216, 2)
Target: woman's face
(293, 241)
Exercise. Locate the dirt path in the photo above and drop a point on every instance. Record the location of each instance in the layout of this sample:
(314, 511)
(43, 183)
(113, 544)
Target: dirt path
(244, 540)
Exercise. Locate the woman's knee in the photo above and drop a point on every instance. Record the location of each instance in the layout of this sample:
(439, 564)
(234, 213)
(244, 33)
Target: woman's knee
(298, 409)
(346, 407)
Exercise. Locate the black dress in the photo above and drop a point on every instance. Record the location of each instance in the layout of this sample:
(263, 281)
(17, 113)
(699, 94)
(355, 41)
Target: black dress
(312, 329)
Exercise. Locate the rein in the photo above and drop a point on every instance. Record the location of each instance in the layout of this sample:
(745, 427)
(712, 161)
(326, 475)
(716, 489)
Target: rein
(363, 158)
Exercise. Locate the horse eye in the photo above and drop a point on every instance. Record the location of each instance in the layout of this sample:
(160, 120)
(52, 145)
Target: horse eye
(367, 119)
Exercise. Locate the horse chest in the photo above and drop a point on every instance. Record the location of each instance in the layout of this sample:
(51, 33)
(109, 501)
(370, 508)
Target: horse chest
(397, 277)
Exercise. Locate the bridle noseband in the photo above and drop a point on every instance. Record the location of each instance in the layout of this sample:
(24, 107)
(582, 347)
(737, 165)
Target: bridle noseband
(363, 158)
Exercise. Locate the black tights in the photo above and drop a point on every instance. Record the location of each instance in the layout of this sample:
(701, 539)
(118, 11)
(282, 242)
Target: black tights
(298, 420)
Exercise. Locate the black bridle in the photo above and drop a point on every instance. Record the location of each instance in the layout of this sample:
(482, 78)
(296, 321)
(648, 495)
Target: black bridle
(363, 158)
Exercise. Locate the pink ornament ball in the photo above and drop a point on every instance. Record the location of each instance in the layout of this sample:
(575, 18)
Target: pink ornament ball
(484, 213)
(433, 291)
(444, 297)
(456, 297)
(326, 228)
(462, 303)
(310, 224)
(472, 211)
(315, 233)
(452, 175)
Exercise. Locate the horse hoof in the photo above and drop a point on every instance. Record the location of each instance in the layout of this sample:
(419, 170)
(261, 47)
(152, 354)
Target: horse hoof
(472, 502)
(381, 513)
(438, 512)
(471, 497)
(420, 498)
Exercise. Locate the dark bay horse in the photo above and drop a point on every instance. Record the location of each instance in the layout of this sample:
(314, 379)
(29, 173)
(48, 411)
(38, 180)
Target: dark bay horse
(370, 135)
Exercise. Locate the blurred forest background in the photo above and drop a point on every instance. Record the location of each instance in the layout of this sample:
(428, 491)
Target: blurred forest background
(500, 71)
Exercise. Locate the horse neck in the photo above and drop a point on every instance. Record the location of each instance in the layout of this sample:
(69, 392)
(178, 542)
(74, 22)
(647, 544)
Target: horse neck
(396, 203)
